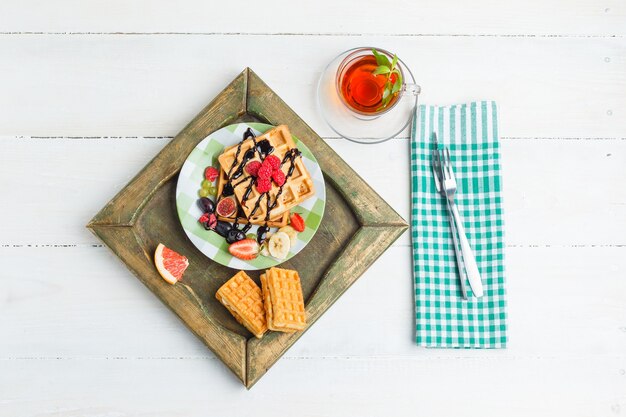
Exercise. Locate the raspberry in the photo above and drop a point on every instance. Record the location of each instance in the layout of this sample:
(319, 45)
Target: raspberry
(263, 185)
(253, 168)
(265, 172)
(211, 173)
(212, 221)
(208, 220)
(274, 161)
(279, 177)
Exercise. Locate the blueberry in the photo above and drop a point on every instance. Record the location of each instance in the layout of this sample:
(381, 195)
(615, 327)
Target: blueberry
(223, 228)
(262, 234)
(228, 190)
(206, 204)
(235, 235)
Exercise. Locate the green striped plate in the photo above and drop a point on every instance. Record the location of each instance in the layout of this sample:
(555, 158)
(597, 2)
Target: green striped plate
(192, 173)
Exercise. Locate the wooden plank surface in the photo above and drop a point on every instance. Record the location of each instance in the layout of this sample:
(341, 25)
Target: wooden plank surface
(550, 315)
(533, 17)
(89, 85)
(92, 90)
(61, 168)
(593, 387)
(566, 352)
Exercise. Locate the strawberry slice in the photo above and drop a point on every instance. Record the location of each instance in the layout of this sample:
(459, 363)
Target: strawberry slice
(245, 249)
(297, 222)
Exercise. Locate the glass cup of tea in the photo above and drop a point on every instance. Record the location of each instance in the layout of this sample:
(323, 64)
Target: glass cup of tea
(361, 90)
(353, 100)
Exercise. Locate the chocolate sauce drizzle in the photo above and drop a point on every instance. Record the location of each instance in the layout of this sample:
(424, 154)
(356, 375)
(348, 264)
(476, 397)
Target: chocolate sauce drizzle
(263, 148)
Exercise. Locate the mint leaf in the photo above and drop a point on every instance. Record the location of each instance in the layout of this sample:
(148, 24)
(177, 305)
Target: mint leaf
(386, 67)
(398, 75)
(381, 69)
(397, 85)
(381, 59)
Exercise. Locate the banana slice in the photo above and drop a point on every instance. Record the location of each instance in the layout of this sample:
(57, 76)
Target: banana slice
(291, 232)
(279, 245)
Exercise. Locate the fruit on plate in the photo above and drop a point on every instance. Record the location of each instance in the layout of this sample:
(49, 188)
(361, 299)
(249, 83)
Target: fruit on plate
(291, 232)
(253, 168)
(207, 205)
(222, 228)
(279, 245)
(245, 249)
(273, 161)
(226, 207)
(297, 222)
(211, 173)
(263, 185)
(279, 177)
(208, 220)
(235, 235)
(264, 251)
(171, 265)
(265, 171)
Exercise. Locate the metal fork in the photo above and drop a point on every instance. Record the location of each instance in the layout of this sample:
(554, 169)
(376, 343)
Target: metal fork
(449, 187)
(438, 175)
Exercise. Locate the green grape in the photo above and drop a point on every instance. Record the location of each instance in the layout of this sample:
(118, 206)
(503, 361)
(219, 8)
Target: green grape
(207, 184)
(203, 192)
(251, 236)
(212, 190)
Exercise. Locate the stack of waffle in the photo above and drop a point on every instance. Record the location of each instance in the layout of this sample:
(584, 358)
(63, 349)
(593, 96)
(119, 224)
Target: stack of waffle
(282, 297)
(279, 306)
(297, 188)
(242, 298)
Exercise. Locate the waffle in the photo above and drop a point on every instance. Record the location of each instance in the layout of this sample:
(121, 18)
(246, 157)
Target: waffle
(243, 299)
(297, 188)
(267, 303)
(278, 221)
(282, 297)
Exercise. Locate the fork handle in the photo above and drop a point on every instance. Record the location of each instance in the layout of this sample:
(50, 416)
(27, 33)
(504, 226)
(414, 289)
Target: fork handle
(457, 251)
(473, 275)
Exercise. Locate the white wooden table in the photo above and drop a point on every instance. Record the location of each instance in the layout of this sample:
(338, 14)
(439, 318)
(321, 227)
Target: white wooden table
(91, 91)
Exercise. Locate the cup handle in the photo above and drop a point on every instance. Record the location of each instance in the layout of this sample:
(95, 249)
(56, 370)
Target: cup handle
(410, 89)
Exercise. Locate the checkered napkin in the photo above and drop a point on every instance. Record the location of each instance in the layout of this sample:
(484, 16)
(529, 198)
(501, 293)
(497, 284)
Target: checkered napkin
(443, 318)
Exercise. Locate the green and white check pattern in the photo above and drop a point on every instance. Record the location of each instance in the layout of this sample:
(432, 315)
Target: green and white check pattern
(189, 180)
(443, 318)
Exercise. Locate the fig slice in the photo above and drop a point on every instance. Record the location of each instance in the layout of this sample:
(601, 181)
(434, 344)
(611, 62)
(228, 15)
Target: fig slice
(226, 207)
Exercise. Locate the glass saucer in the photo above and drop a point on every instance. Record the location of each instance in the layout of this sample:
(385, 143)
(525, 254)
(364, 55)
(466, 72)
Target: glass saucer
(358, 127)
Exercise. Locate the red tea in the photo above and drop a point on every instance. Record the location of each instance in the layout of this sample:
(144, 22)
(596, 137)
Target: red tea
(362, 90)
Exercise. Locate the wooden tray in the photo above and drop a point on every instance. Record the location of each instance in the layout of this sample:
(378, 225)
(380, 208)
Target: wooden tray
(358, 226)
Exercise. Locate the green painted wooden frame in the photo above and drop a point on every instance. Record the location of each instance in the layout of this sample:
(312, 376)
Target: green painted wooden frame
(247, 97)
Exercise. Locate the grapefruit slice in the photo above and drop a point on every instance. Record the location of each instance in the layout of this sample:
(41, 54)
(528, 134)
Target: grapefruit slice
(171, 265)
